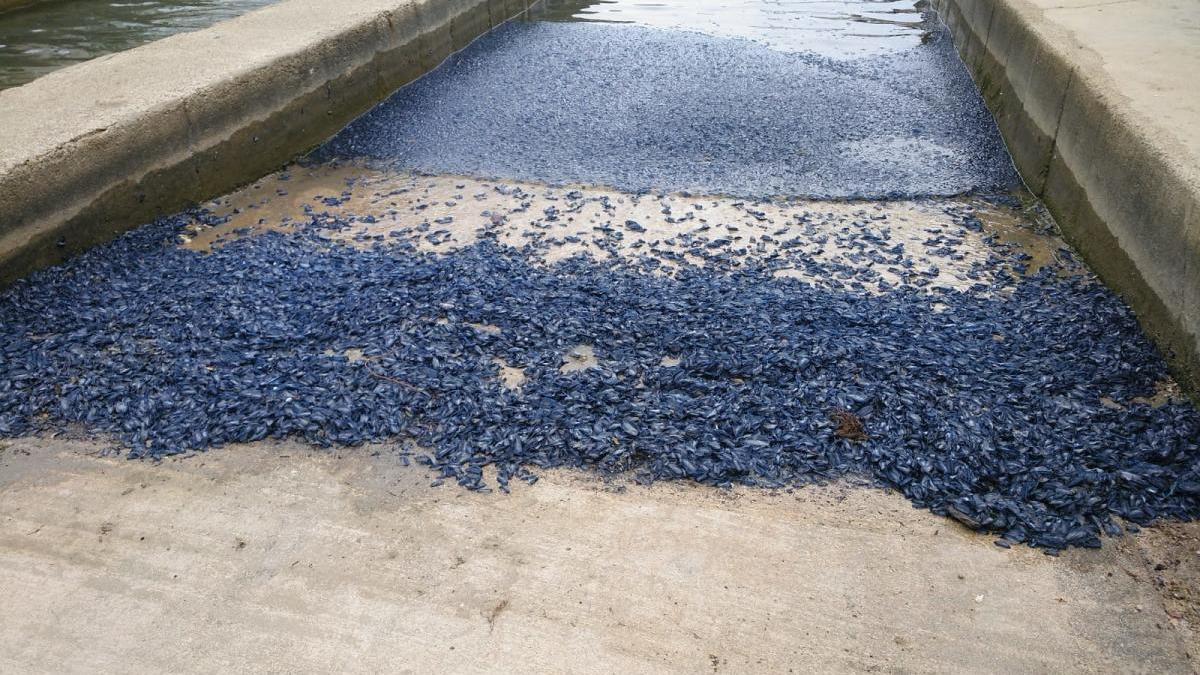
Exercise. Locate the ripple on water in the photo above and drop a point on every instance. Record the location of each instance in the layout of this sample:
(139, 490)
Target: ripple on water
(47, 36)
(834, 28)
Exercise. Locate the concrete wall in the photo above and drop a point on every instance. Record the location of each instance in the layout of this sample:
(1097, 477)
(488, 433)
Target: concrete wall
(1125, 195)
(98, 148)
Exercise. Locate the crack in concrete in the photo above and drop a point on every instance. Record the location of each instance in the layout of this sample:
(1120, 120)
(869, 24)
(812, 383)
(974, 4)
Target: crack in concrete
(1062, 106)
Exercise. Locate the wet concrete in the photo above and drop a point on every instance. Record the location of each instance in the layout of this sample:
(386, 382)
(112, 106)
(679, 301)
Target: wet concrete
(442, 214)
(637, 108)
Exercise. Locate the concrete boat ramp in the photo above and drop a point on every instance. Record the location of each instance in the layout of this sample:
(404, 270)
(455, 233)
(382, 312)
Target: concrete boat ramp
(278, 558)
(723, 337)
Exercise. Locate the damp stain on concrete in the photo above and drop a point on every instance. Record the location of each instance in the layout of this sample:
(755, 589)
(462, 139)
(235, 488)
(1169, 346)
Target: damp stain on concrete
(511, 377)
(951, 243)
(579, 358)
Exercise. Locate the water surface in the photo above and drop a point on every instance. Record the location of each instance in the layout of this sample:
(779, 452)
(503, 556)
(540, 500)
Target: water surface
(833, 28)
(51, 35)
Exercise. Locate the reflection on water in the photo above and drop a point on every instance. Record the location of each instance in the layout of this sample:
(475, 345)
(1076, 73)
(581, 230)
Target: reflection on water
(834, 28)
(51, 35)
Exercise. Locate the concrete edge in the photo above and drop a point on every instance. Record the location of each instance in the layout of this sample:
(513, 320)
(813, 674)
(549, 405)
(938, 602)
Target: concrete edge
(1129, 206)
(96, 175)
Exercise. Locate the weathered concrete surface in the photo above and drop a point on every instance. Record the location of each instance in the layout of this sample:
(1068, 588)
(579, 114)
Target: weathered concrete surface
(148, 131)
(1095, 102)
(279, 558)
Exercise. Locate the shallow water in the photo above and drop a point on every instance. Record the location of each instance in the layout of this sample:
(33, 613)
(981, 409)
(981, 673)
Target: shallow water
(833, 28)
(40, 39)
